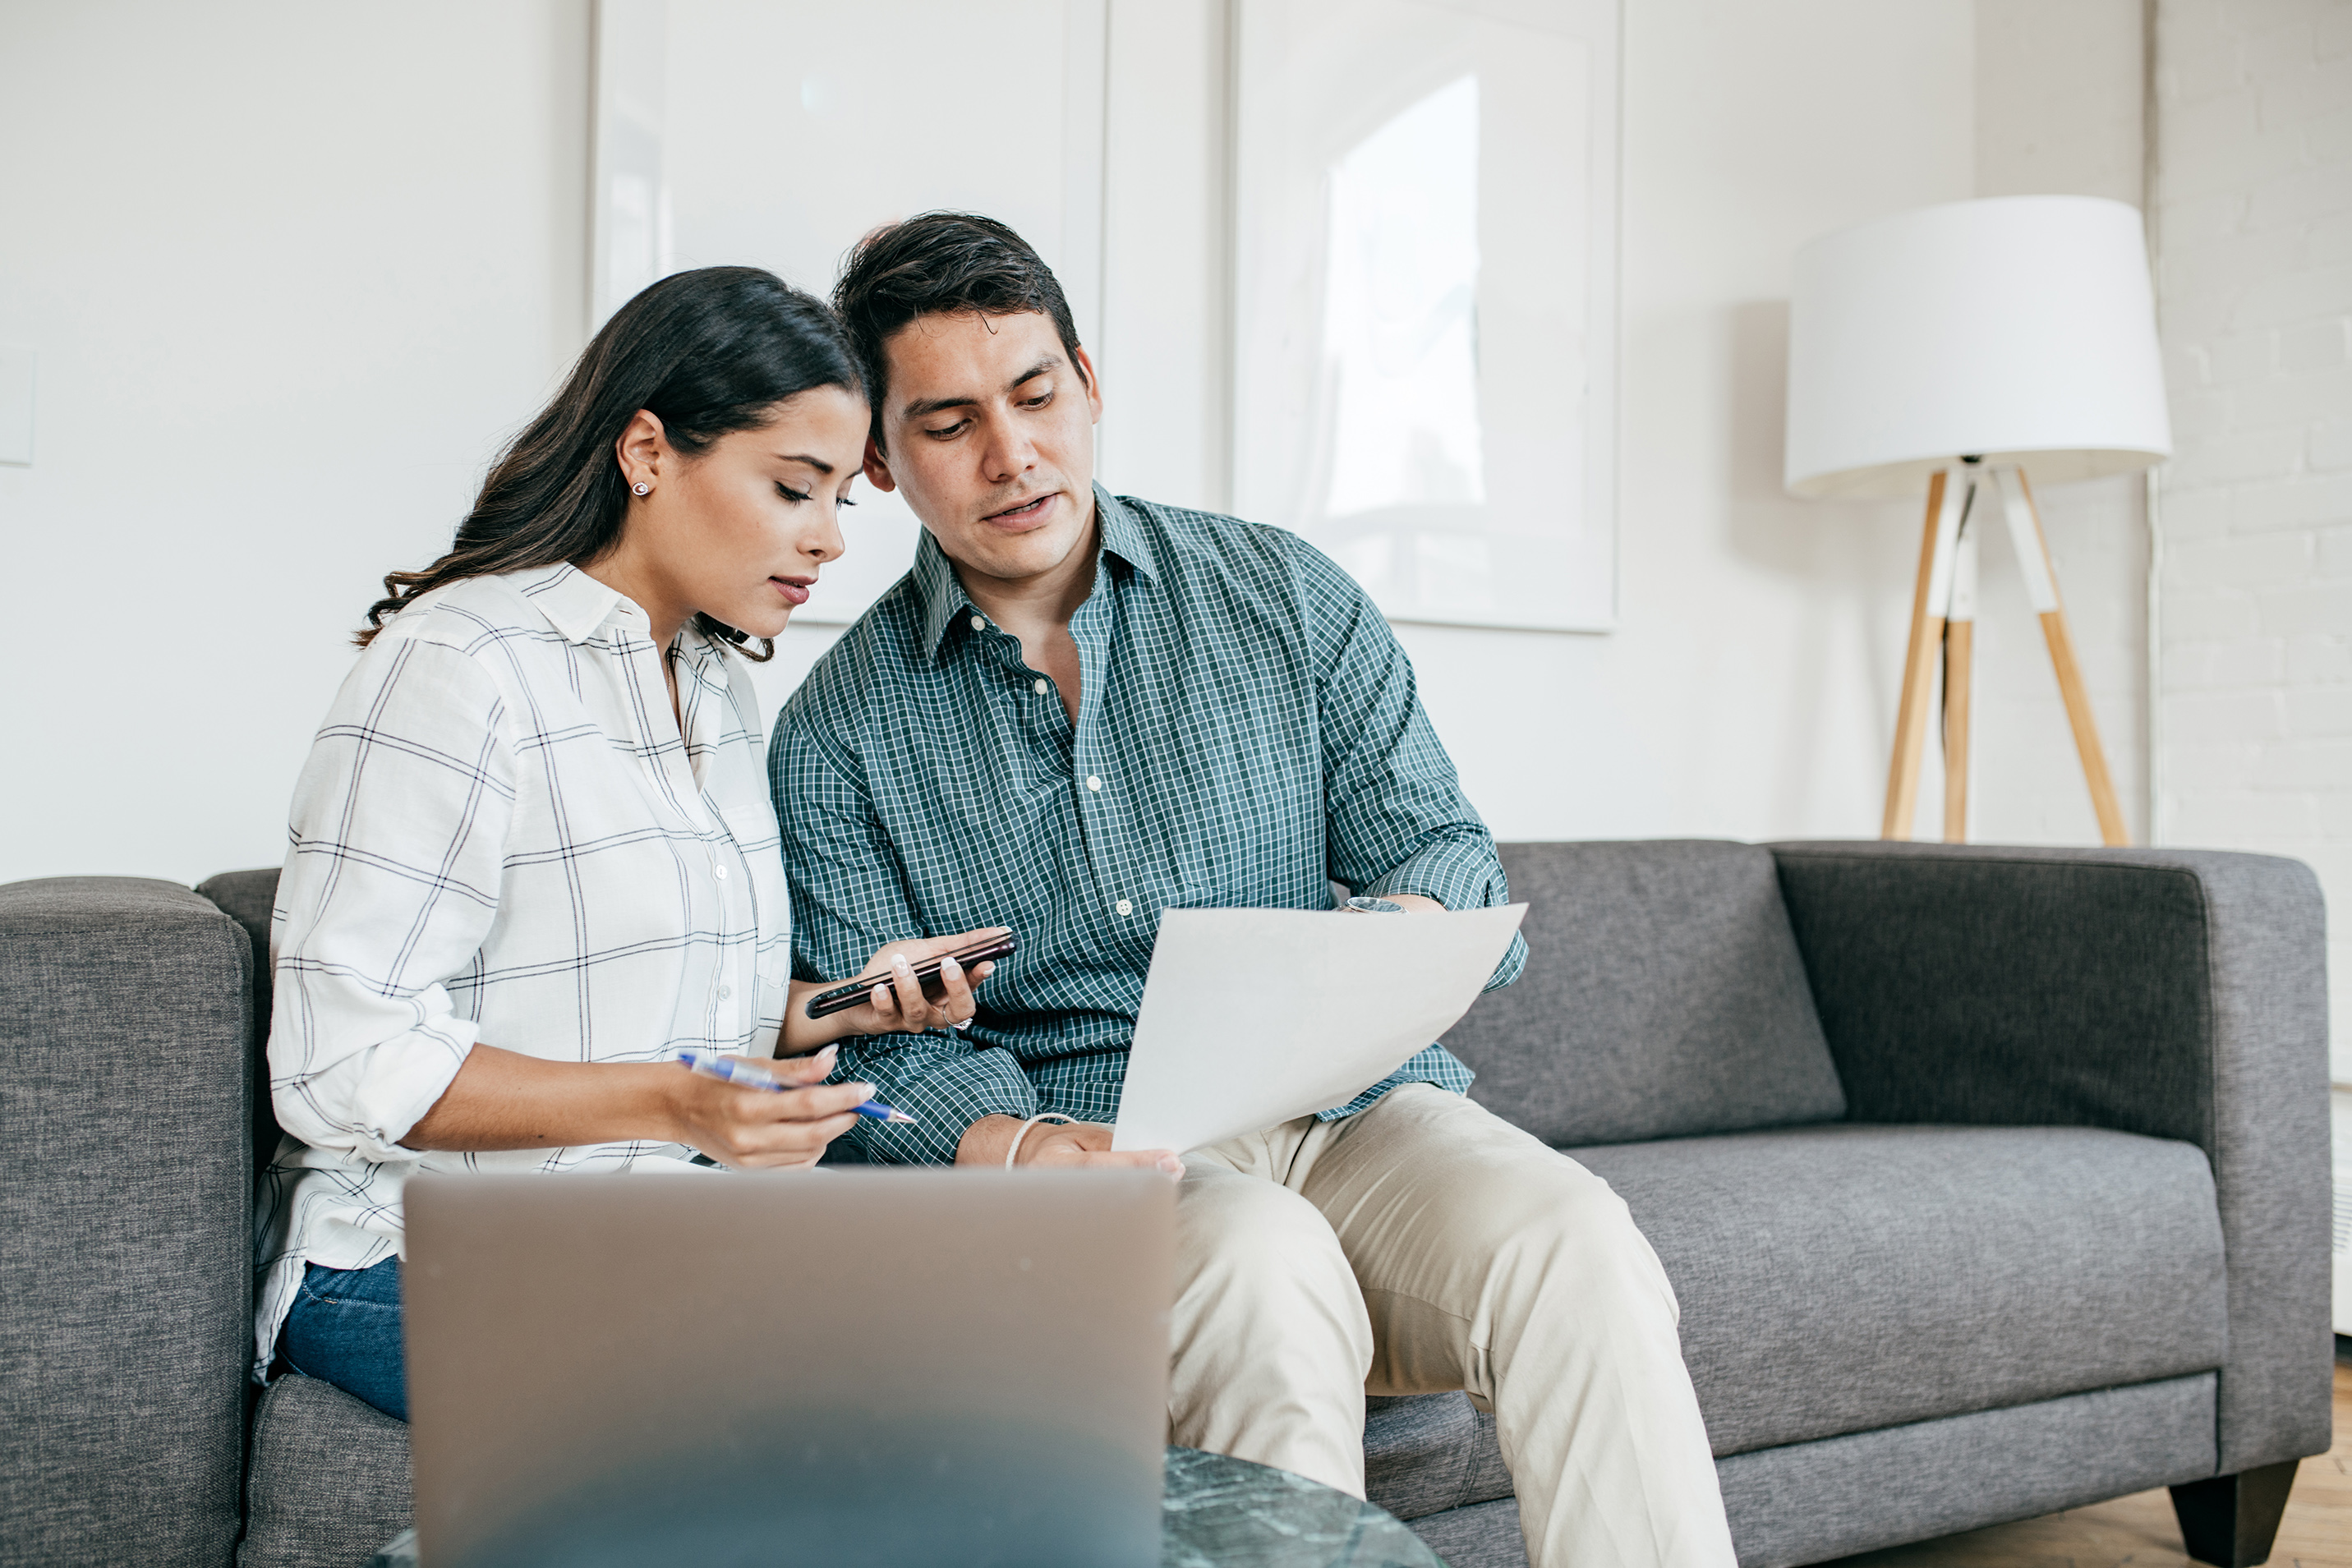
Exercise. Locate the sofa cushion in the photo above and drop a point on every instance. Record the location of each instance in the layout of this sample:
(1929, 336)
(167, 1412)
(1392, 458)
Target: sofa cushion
(1483, 1535)
(1423, 1454)
(328, 1480)
(1663, 997)
(1811, 1503)
(1426, 1453)
(1845, 1278)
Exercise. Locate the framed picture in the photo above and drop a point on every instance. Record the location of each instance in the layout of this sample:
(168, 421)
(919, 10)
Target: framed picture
(1425, 298)
(775, 132)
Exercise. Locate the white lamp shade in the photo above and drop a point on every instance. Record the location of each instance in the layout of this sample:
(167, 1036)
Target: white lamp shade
(2020, 329)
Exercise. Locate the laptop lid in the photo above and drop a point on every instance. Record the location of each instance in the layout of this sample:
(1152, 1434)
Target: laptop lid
(837, 1367)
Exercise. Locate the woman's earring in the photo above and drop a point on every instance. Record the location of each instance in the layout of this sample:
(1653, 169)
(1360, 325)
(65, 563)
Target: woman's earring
(640, 487)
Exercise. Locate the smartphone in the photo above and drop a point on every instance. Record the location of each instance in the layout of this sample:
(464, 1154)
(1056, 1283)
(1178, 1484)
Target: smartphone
(841, 999)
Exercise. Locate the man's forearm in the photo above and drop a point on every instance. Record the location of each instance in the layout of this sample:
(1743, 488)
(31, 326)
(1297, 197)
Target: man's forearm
(943, 1083)
(1064, 1145)
(985, 1141)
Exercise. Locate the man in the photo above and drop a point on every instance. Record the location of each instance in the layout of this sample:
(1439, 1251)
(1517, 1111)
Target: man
(1078, 710)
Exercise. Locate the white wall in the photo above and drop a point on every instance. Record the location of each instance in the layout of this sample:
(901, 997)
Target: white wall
(1162, 355)
(1749, 691)
(2254, 187)
(292, 271)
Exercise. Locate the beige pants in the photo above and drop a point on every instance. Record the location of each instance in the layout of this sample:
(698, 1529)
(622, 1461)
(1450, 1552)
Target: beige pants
(1425, 1244)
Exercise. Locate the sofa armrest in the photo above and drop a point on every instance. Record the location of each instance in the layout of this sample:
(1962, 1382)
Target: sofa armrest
(125, 1200)
(2174, 993)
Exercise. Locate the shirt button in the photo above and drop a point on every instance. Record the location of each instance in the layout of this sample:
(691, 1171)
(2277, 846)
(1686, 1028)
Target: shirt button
(720, 872)
(1124, 907)
(725, 992)
(980, 622)
(1041, 687)
(1094, 783)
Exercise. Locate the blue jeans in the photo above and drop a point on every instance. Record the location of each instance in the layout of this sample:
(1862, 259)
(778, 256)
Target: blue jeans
(345, 1330)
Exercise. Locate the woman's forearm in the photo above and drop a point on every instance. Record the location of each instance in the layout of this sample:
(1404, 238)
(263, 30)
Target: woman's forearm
(802, 1033)
(503, 1100)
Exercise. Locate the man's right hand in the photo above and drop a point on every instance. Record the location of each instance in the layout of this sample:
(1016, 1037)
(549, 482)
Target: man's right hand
(1062, 1145)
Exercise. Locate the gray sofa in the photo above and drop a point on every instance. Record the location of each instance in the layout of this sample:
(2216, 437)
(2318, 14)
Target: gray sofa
(1993, 1182)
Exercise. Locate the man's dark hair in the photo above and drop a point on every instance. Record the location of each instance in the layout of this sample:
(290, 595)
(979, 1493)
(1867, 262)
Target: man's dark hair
(941, 264)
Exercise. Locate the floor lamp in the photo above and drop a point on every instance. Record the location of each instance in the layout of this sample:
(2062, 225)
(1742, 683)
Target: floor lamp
(1955, 348)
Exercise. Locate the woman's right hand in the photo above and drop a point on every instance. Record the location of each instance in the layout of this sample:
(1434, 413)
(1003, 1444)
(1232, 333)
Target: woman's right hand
(763, 1129)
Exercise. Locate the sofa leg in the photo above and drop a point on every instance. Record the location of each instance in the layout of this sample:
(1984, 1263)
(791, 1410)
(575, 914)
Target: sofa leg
(2230, 1520)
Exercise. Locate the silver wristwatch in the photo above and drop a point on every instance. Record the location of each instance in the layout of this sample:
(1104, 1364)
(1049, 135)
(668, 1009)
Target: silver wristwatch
(1374, 906)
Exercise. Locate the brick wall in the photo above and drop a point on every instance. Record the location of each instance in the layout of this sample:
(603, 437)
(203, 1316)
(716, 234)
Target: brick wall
(2254, 245)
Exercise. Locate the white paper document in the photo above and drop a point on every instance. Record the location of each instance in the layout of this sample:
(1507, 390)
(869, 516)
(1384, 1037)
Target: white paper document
(1251, 1016)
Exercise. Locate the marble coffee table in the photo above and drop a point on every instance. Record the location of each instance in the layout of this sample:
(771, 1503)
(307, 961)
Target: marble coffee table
(1218, 1512)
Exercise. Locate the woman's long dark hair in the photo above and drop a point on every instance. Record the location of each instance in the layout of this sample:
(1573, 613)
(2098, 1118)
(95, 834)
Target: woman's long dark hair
(706, 352)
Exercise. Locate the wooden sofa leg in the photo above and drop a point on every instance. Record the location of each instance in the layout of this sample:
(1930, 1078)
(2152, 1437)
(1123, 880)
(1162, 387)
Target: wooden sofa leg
(2230, 1520)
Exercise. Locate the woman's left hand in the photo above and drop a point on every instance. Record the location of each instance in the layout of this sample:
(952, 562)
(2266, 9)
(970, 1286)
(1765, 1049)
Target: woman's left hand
(895, 1002)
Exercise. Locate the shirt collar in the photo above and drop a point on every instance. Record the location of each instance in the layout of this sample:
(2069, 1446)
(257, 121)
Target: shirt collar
(1123, 537)
(938, 589)
(575, 604)
(941, 592)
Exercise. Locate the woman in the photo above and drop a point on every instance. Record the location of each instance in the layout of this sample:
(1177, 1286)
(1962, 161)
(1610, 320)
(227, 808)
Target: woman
(532, 849)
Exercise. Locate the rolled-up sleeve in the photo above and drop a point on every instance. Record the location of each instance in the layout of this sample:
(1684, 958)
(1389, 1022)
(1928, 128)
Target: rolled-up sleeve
(849, 898)
(1397, 818)
(939, 1080)
(391, 878)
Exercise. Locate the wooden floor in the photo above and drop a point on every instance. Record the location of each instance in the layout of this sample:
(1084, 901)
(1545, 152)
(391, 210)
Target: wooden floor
(2140, 1530)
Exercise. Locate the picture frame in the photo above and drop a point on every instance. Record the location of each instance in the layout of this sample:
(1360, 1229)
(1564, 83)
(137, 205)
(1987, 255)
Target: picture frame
(1426, 276)
(703, 156)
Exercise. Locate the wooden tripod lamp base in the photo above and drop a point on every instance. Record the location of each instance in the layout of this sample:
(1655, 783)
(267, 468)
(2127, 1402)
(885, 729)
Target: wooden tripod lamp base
(1943, 616)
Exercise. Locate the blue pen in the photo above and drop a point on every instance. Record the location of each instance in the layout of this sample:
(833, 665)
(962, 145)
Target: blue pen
(751, 1075)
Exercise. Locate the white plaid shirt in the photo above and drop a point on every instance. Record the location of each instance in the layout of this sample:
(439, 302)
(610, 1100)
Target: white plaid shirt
(499, 836)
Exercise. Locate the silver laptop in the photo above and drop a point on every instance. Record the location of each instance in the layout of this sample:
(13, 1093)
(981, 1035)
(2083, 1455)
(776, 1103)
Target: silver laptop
(837, 1367)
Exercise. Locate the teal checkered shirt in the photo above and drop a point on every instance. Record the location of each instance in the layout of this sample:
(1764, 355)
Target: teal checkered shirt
(1248, 733)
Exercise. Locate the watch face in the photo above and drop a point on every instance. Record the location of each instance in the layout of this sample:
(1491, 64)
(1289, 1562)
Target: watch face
(1376, 905)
